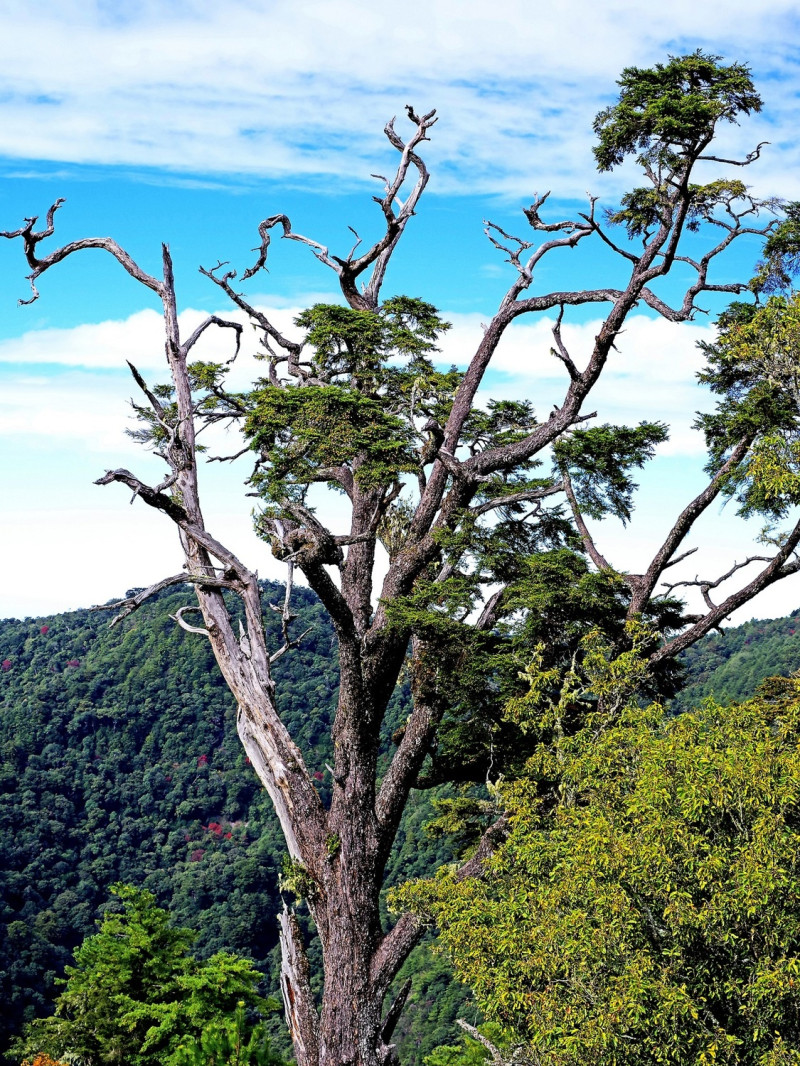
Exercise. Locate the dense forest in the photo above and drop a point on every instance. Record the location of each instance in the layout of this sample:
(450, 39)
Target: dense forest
(120, 762)
(732, 664)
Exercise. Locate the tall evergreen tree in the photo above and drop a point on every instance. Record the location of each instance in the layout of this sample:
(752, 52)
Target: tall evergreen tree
(135, 996)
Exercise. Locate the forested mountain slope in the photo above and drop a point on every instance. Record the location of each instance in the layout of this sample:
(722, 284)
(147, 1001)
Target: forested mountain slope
(119, 760)
(731, 665)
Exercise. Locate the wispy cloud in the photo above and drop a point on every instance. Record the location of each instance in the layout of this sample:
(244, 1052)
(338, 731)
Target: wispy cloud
(301, 90)
(650, 376)
(62, 425)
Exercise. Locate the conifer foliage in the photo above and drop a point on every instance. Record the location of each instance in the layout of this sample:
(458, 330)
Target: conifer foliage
(136, 996)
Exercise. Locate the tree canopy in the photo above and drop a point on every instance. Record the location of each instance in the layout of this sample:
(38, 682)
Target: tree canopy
(644, 908)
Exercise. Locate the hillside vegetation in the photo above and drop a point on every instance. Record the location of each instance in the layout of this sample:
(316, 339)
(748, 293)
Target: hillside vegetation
(119, 761)
(731, 665)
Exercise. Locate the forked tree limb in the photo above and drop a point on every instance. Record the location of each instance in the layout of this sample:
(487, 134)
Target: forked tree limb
(32, 238)
(778, 568)
(495, 1054)
(378, 255)
(644, 585)
(706, 585)
(130, 604)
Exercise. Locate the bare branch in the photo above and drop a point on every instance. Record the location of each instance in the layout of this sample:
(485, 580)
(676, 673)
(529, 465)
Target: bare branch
(777, 568)
(154, 402)
(706, 586)
(223, 323)
(535, 219)
(351, 253)
(517, 497)
(302, 1018)
(642, 585)
(680, 558)
(132, 603)
(31, 239)
(152, 497)
(560, 351)
(490, 612)
(223, 281)
(748, 159)
(294, 643)
(592, 551)
(320, 250)
(178, 617)
(392, 1016)
(512, 253)
(494, 1052)
(228, 458)
(607, 240)
(287, 617)
(349, 269)
(491, 840)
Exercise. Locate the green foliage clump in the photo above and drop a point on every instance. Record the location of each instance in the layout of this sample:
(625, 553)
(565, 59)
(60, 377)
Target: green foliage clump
(667, 113)
(368, 377)
(781, 260)
(599, 461)
(136, 996)
(228, 1041)
(754, 369)
(644, 907)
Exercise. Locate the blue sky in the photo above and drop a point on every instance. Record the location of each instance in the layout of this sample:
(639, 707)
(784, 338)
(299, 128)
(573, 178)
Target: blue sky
(189, 122)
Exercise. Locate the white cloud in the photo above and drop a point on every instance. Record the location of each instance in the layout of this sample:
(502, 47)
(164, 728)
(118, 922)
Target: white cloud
(294, 89)
(650, 376)
(138, 339)
(61, 427)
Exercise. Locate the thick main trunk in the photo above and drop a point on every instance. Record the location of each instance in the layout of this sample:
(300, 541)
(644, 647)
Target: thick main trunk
(347, 1029)
(347, 911)
(350, 1019)
(343, 851)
